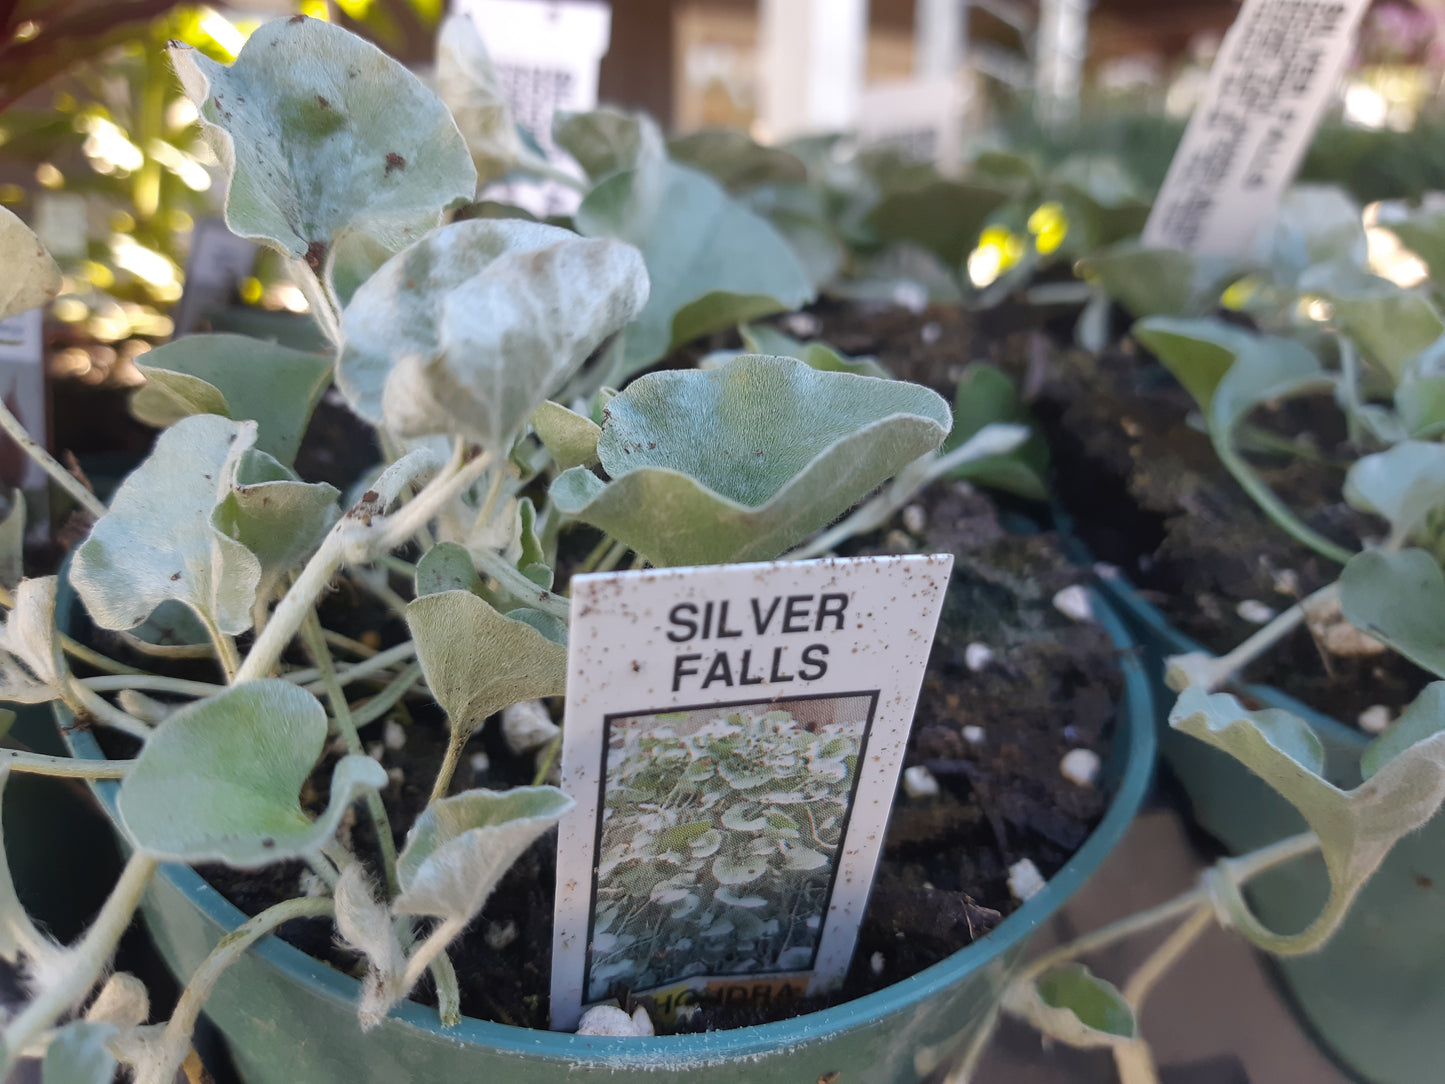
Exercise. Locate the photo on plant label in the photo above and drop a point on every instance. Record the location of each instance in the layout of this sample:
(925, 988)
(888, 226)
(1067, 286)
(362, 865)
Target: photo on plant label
(718, 838)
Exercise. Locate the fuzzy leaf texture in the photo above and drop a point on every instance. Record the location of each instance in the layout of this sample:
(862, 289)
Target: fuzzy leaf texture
(568, 436)
(157, 542)
(32, 664)
(1198, 351)
(79, 1054)
(743, 462)
(1356, 827)
(1073, 1005)
(31, 277)
(460, 846)
(236, 377)
(478, 661)
(219, 781)
(945, 217)
(712, 262)
(324, 135)
(1404, 484)
(1159, 281)
(1399, 599)
(764, 339)
(986, 397)
(470, 330)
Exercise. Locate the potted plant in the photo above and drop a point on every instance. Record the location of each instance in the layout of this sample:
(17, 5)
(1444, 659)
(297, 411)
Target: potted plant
(1314, 432)
(455, 340)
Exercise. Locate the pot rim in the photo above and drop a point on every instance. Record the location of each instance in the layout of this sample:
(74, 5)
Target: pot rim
(1135, 762)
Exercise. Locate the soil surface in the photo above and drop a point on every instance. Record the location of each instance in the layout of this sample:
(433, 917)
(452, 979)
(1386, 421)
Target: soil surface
(1148, 494)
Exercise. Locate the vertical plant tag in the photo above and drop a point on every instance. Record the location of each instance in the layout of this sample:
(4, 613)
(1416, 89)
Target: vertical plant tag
(733, 740)
(1275, 74)
(218, 261)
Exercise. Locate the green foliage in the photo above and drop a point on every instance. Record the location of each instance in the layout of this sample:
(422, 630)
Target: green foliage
(944, 217)
(607, 141)
(571, 438)
(1073, 1005)
(32, 278)
(736, 160)
(219, 780)
(1398, 597)
(478, 661)
(1159, 281)
(324, 135)
(158, 541)
(467, 84)
(1405, 484)
(453, 335)
(1197, 351)
(986, 397)
(79, 1055)
(743, 462)
(765, 339)
(460, 846)
(1356, 827)
(712, 262)
(238, 378)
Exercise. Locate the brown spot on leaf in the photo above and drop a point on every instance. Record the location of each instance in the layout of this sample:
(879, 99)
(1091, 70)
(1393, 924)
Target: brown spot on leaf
(175, 576)
(316, 255)
(323, 102)
(371, 495)
(296, 19)
(394, 162)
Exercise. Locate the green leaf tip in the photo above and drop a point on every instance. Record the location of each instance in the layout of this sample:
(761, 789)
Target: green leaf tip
(744, 461)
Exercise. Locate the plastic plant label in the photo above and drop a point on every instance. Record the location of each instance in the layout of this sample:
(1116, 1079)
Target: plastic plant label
(217, 262)
(1275, 75)
(733, 739)
(546, 55)
(22, 386)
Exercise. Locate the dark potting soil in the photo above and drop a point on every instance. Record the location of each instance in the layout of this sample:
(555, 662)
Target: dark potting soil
(1052, 687)
(1145, 491)
(1148, 494)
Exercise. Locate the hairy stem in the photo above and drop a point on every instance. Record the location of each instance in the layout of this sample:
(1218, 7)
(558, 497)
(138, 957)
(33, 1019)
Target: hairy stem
(154, 683)
(388, 697)
(1221, 670)
(63, 478)
(346, 726)
(63, 767)
(83, 701)
(446, 931)
(81, 965)
(448, 769)
(162, 1062)
(514, 583)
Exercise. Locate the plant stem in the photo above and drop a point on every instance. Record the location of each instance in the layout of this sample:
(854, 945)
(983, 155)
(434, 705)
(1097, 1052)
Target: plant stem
(589, 563)
(346, 643)
(291, 611)
(489, 503)
(615, 554)
(64, 767)
(1270, 504)
(436, 942)
(152, 683)
(1223, 668)
(104, 663)
(374, 580)
(448, 769)
(81, 965)
(323, 308)
(67, 481)
(378, 662)
(1246, 866)
(549, 757)
(387, 699)
(162, 1062)
(346, 726)
(1148, 974)
(81, 700)
(514, 583)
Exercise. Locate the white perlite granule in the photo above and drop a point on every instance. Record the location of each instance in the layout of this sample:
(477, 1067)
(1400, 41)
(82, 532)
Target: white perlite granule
(1375, 719)
(526, 726)
(394, 736)
(610, 1020)
(1255, 612)
(915, 519)
(977, 656)
(1074, 602)
(918, 782)
(973, 735)
(1025, 880)
(1080, 766)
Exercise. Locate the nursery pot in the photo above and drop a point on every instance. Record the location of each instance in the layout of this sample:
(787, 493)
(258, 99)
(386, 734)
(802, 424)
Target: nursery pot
(290, 1019)
(1374, 996)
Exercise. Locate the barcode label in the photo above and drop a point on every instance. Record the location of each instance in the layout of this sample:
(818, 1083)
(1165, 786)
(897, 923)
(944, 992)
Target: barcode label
(1275, 74)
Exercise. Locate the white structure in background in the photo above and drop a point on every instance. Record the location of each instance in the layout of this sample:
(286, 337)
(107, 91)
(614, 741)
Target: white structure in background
(546, 55)
(1062, 44)
(923, 117)
(812, 55)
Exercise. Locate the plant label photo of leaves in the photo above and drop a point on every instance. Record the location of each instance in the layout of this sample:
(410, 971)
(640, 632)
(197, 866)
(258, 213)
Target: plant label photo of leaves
(733, 738)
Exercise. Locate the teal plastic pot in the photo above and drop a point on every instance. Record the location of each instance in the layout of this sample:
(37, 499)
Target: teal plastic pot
(289, 1019)
(1374, 997)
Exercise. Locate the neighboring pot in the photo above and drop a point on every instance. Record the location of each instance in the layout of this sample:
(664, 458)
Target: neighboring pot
(1374, 996)
(290, 1019)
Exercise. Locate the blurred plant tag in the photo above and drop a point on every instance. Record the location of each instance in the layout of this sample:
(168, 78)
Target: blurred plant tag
(547, 55)
(22, 386)
(216, 264)
(1275, 75)
(733, 739)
